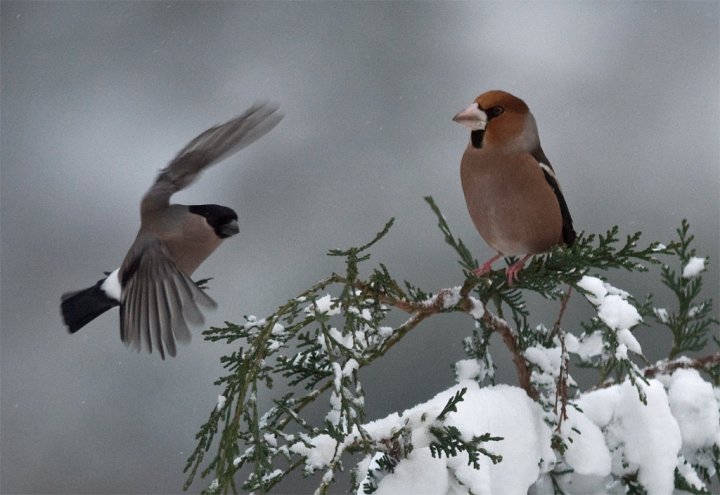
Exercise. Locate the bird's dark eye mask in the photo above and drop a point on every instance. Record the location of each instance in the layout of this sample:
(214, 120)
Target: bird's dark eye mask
(476, 137)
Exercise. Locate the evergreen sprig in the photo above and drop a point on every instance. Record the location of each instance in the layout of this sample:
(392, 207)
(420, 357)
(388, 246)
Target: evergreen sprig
(315, 344)
(691, 321)
(452, 403)
(449, 441)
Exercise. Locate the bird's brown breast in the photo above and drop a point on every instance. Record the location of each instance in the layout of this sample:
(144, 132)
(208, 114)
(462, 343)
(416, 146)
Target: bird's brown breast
(510, 202)
(187, 237)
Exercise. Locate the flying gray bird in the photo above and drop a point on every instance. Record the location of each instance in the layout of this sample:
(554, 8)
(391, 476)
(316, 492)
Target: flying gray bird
(153, 288)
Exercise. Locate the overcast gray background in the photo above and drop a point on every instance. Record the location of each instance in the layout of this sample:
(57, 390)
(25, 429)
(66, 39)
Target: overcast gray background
(96, 97)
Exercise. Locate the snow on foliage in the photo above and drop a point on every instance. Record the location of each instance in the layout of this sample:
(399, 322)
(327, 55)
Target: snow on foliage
(609, 434)
(615, 311)
(642, 438)
(505, 411)
(693, 267)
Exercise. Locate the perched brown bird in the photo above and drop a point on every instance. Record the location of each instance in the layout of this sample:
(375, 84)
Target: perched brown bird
(152, 286)
(511, 191)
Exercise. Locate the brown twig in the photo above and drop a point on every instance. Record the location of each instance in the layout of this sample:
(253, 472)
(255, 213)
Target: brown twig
(421, 310)
(702, 364)
(561, 313)
(561, 390)
(518, 359)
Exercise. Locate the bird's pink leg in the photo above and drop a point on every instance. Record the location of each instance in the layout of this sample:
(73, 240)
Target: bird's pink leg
(513, 271)
(486, 267)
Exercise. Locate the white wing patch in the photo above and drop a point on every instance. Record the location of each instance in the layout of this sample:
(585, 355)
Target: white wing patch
(547, 169)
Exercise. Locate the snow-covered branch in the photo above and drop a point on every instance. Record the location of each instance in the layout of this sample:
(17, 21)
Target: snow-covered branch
(650, 428)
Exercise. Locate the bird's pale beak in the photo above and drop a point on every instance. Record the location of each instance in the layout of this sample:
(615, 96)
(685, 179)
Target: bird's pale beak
(472, 117)
(230, 229)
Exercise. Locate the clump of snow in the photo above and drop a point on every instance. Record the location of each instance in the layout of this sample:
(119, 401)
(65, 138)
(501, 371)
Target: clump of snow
(661, 314)
(324, 305)
(587, 346)
(597, 290)
(595, 287)
(474, 369)
(547, 359)
(693, 267)
(350, 367)
(617, 313)
(319, 450)
(270, 439)
(221, 399)
(468, 369)
(451, 297)
(344, 340)
(687, 472)
(478, 309)
(385, 332)
(277, 330)
(253, 321)
(525, 446)
(694, 310)
(419, 473)
(642, 438)
(696, 409)
(626, 338)
(587, 454)
(275, 474)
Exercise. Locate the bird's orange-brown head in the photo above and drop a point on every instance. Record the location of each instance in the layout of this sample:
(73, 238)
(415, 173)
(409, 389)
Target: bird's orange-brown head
(499, 119)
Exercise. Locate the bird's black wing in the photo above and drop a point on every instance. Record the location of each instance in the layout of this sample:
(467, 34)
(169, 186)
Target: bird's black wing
(568, 231)
(209, 147)
(157, 299)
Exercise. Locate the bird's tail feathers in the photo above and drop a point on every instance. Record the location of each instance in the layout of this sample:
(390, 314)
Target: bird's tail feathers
(81, 307)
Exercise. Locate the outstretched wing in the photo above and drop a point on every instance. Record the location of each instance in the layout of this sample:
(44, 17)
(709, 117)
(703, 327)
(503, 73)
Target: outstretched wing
(209, 147)
(157, 299)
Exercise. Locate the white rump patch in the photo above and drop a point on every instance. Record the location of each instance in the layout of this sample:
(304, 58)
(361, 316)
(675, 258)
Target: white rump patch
(111, 285)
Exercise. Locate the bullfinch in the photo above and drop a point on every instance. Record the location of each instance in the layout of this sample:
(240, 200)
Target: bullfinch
(512, 194)
(153, 288)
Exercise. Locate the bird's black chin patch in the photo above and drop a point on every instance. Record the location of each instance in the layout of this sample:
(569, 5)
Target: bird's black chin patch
(476, 138)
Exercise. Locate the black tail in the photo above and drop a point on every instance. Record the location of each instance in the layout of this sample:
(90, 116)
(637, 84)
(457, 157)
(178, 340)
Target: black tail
(81, 307)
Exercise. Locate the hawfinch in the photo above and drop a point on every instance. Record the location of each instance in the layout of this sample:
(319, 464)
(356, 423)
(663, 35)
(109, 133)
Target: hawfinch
(511, 191)
(152, 286)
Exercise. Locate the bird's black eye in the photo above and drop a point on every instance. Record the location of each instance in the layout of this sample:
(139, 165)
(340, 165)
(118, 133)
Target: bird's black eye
(496, 110)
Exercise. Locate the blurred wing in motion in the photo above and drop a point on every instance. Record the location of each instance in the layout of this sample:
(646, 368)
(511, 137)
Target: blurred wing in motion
(209, 147)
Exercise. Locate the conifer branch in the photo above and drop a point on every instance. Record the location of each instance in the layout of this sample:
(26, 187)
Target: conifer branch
(316, 342)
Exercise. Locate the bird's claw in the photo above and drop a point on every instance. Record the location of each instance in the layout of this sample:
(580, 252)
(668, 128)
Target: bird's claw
(486, 267)
(483, 270)
(512, 272)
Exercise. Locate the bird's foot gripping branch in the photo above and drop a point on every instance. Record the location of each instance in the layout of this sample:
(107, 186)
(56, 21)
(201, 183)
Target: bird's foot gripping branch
(647, 426)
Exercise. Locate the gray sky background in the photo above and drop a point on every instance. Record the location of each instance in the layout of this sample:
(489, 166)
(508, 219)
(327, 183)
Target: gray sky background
(96, 97)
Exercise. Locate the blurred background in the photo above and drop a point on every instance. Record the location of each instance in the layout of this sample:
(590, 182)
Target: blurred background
(98, 96)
